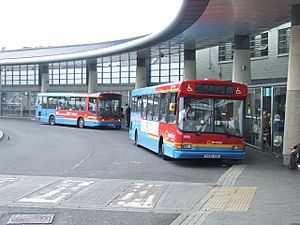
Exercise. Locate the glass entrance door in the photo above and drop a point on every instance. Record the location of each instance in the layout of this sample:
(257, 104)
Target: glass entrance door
(266, 119)
(279, 101)
(253, 134)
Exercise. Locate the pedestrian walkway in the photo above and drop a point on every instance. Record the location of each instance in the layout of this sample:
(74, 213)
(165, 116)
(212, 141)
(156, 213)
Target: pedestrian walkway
(264, 192)
(101, 194)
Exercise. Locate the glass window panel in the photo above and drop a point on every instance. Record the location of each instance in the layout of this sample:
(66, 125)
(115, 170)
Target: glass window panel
(63, 71)
(124, 68)
(154, 79)
(175, 65)
(164, 66)
(106, 75)
(115, 69)
(70, 70)
(124, 74)
(115, 75)
(175, 78)
(155, 67)
(164, 79)
(154, 73)
(115, 81)
(106, 81)
(164, 73)
(106, 69)
(174, 72)
(124, 80)
(132, 80)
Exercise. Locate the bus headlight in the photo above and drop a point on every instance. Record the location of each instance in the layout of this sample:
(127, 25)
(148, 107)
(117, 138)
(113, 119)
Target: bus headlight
(237, 147)
(186, 146)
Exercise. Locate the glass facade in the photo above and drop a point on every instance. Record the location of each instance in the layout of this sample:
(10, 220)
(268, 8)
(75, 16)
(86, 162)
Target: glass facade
(258, 48)
(259, 45)
(20, 75)
(166, 63)
(226, 52)
(265, 113)
(67, 73)
(284, 36)
(117, 69)
(18, 104)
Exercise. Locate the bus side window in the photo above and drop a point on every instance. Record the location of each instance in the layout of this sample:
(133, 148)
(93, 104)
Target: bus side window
(92, 105)
(133, 104)
(139, 105)
(150, 107)
(80, 104)
(163, 108)
(156, 107)
(172, 114)
(44, 102)
(61, 103)
(144, 107)
(52, 102)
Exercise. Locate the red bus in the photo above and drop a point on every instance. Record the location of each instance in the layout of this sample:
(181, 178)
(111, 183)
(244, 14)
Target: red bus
(90, 110)
(190, 119)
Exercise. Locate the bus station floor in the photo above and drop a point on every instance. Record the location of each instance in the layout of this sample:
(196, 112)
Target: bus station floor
(262, 191)
(258, 190)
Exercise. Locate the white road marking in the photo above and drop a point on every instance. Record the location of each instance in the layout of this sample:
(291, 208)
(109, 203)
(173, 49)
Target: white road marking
(55, 193)
(139, 195)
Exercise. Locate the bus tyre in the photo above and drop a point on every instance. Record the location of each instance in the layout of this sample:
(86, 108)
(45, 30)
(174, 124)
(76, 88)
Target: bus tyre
(136, 139)
(161, 150)
(80, 123)
(52, 120)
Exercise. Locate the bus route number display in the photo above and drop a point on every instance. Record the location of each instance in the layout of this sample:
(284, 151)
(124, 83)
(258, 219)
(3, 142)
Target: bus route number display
(214, 89)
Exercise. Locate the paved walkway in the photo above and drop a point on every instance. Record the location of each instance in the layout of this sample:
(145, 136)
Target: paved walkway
(264, 192)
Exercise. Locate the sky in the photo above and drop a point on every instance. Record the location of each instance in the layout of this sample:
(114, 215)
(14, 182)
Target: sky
(42, 23)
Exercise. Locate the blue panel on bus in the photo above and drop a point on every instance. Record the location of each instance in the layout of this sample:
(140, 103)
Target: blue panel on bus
(144, 91)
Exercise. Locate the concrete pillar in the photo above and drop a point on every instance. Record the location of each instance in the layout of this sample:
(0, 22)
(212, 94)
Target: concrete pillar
(92, 75)
(189, 70)
(241, 59)
(141, 74)
(44, 77)
(292, 119)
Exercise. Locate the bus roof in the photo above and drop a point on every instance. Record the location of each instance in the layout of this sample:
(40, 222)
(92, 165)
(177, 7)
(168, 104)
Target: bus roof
(94, 95)
(189, 87)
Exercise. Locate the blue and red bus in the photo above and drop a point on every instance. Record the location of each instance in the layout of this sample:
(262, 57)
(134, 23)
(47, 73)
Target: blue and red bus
(190, 119)
(82, 110)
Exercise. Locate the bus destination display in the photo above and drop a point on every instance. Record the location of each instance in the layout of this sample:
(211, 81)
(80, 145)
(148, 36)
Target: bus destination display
(214, 89)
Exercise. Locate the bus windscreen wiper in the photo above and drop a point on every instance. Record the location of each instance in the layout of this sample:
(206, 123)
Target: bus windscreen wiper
(199, 131)
(225, 129)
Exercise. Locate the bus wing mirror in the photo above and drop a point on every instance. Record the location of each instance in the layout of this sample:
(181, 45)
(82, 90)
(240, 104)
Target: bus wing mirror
(172, 107)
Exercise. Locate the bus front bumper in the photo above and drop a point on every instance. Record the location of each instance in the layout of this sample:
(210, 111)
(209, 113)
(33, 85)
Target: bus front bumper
(196, 154)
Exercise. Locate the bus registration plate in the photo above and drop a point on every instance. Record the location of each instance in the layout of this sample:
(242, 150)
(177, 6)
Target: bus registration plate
(212, 156)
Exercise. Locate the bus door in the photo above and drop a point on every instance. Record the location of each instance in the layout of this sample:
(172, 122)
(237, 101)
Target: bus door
(42, 106)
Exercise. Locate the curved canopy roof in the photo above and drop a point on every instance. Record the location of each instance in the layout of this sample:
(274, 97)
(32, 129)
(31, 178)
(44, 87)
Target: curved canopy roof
(199, 24)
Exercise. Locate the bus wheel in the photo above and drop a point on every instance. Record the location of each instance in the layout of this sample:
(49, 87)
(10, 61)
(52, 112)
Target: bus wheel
(161, 150)
(52, 120)
(136, 139)
(80, 123)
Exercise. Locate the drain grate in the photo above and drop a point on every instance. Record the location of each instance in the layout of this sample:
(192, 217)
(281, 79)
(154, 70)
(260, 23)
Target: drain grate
(31, 219)
(236, 199)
